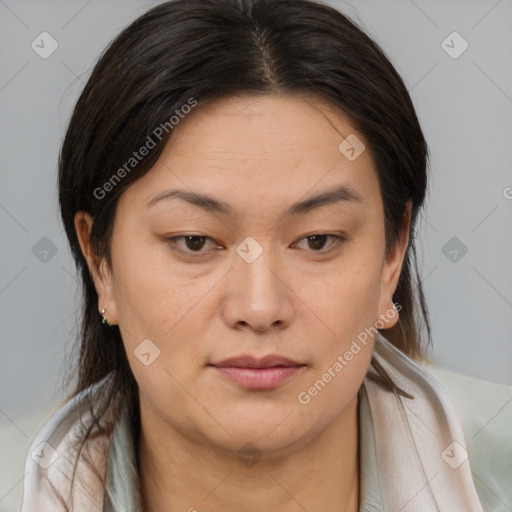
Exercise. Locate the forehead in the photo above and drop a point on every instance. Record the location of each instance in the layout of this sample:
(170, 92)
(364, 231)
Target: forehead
(293, 126)
(269, 148)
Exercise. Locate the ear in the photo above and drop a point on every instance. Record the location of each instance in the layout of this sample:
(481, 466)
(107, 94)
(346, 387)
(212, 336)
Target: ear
(391, 270)
(99, 270)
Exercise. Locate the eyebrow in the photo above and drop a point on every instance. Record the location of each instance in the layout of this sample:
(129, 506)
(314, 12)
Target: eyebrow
(341, 193)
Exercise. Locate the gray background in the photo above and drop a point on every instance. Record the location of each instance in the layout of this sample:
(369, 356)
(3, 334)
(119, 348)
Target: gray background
(465, 108)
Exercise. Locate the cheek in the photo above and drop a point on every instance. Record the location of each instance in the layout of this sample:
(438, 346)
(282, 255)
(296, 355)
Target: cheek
(158, 302)
(348, 300)
(151, 292)
(348, 306)
(328, 393)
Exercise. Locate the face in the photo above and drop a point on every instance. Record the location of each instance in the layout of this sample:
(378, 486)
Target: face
(244, 316)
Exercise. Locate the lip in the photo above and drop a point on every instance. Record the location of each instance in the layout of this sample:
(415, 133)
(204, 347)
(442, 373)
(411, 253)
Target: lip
(258, 373)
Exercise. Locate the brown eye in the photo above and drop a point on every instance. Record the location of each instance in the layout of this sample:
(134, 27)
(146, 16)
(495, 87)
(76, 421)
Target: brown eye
(317, 242)
(192, 243)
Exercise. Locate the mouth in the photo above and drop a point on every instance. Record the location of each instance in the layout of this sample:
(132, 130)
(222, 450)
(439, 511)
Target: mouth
(257, 373)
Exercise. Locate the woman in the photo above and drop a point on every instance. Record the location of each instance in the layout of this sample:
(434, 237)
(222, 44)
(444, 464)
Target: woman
(240, 183)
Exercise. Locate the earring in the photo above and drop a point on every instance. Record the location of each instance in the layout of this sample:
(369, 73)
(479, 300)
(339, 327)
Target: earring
(104, 320)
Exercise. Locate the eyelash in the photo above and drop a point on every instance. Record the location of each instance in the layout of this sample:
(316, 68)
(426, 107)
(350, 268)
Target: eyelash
(196, 254)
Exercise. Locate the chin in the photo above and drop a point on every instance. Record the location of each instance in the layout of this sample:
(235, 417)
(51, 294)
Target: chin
(271, 428)
(256, 440)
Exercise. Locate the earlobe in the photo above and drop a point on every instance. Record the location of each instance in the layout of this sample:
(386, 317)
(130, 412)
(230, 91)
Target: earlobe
(98, 270)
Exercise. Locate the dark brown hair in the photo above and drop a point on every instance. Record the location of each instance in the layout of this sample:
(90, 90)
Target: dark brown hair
(207, 49)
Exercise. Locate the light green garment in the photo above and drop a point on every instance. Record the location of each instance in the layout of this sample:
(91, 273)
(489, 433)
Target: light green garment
(485, 410)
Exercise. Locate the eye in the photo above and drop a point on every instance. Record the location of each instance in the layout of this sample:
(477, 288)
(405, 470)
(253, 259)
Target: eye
(317, 241)
(193, 243)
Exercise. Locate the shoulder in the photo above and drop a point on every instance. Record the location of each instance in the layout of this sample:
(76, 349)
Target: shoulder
(65, 463)
(485, 412)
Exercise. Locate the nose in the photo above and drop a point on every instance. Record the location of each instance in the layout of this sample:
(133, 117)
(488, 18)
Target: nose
(259, 295)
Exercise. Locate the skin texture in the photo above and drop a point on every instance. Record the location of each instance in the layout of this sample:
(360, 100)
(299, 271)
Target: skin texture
(303, 300)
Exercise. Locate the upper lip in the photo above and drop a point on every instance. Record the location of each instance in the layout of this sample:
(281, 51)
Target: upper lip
(269, 361)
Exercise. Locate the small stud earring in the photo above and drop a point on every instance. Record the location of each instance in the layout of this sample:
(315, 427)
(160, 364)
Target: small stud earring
(104, 320)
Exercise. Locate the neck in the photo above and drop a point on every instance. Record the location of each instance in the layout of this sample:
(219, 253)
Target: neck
(179, 474)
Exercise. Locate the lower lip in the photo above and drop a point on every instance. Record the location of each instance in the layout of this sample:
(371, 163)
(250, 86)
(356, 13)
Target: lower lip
(258, 378)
